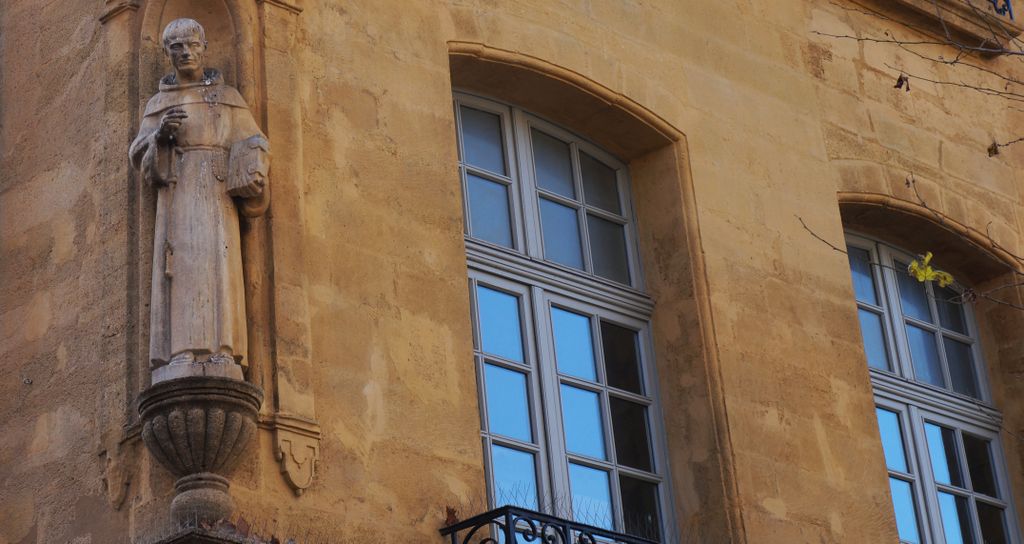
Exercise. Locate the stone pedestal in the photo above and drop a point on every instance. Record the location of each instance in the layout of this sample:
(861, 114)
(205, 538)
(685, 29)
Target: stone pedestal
(198, 428)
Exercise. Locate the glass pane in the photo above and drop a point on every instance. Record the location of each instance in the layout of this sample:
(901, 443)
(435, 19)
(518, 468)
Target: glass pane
(608, 249)
(913, 296)
(581, 419)
(951, 311)
(979, 464)
(599, 185)
(993, 529)
(863, 281)
(621, 357)
(906, 514)
(499, 323)
(629, 423)
(874, 339)
(488, 211)
(561, 234)
(574, 349)
(892, 440)
(481, 137)
(515, 478)
(553, 164)
(591, 498)
(956, 523)
(925, 356)
(961, 367)
(640, 508)
(508, 410)
(942, 450)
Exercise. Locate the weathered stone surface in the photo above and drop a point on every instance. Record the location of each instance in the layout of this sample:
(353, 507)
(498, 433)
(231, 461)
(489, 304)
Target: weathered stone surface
(199, 148)
(767, 402)
(199, 429)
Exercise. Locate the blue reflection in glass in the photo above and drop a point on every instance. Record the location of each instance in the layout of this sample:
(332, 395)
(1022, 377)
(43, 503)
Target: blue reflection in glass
(863, 281)
(515, 479)
(961, 367)
(913, 296)
(955, 522)
(951, 310)
(600, 187)
(942, 451)
(499, 324)
(906, 514)
(507, 405)
(561, 231)
(481, 138)
(574, 347)
(892, 439)
(874, 339)
(552, 164)
(925, 356)
(608, 249)
(581, 418)
(591, 499)
(488, 211)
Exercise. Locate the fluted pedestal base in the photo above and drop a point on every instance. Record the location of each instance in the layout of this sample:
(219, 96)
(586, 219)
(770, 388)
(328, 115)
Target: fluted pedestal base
(202, 498)
(199, 427)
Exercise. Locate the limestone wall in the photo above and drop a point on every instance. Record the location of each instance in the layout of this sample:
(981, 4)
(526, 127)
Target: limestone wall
(767, 401)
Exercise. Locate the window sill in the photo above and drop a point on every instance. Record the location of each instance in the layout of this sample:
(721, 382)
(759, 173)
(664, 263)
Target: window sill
(974, 23)
(557, 277)
(964, 408)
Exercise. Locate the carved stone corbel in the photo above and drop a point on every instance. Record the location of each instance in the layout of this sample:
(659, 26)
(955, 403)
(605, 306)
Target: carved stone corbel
(297, 449)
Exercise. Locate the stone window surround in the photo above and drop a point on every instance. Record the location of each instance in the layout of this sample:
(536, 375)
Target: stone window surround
(543, 283)
(917, 402)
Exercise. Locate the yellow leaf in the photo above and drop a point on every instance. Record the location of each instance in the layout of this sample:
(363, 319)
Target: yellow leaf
(923, 271)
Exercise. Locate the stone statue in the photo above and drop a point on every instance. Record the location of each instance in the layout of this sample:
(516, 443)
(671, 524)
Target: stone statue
(200, 147)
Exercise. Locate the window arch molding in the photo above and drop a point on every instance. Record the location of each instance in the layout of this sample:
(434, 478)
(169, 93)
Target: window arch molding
(918, 409)
(682, 333)
(909, 224)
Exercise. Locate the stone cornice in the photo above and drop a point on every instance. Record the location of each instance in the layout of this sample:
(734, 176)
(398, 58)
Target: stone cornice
(976, 20)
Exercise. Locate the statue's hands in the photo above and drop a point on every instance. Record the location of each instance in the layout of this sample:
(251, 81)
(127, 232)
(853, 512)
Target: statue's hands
(170, 122)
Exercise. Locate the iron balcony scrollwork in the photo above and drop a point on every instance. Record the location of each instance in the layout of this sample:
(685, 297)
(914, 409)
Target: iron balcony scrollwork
(511, 524)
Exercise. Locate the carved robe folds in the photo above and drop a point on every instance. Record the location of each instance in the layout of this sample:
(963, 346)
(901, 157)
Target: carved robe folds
(218, 152)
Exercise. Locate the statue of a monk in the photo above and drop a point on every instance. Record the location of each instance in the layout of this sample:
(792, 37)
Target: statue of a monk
(200, 147)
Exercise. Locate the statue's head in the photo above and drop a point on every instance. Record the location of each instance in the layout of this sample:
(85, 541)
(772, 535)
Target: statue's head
(185, 44)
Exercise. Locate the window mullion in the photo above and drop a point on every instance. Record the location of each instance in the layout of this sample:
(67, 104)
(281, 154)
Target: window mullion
(530, 216)
(931, 517)
(581, 210)
(902, 363)
(884, 304)
(558, 469)
(466, 216)
(940, 338)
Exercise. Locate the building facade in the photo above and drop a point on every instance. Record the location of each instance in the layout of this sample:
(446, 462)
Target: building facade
(639, 264)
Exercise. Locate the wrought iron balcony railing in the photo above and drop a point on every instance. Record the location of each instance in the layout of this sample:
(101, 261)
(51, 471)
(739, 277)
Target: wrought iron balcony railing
(514, 525)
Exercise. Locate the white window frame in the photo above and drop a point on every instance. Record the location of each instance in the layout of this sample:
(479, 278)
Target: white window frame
(918, 402)
(540, 284)
(525, 194)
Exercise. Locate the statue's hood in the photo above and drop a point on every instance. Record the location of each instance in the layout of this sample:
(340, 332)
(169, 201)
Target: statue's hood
(209, 90)
(211, 76)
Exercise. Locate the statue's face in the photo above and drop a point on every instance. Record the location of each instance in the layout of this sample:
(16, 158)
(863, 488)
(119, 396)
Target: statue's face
(186, 52)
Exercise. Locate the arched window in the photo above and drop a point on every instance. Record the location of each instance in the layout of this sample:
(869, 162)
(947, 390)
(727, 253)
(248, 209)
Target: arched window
(570, 423)
(940, 432)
